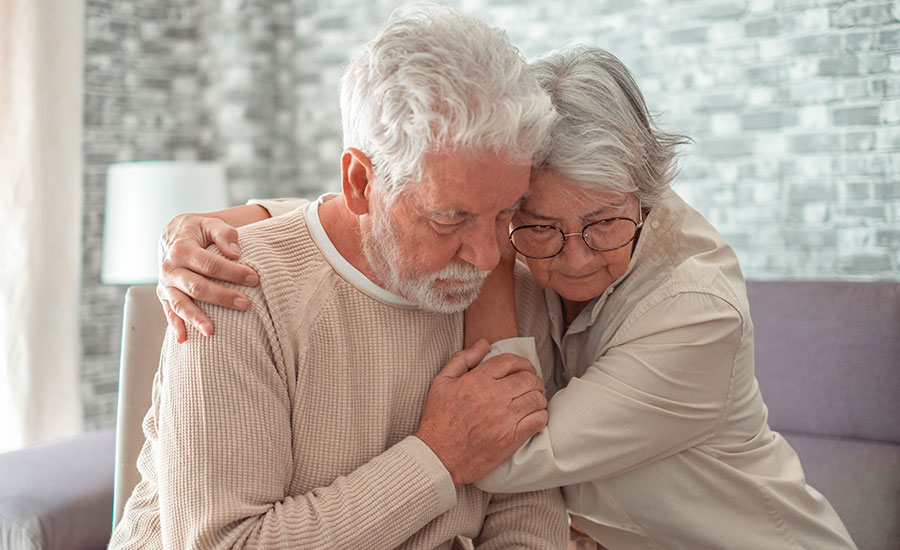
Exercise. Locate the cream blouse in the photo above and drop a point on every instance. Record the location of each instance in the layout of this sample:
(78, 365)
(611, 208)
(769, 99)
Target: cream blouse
(658, 433)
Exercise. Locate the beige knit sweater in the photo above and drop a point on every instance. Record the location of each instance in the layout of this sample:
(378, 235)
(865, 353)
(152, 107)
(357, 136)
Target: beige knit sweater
(290, 428)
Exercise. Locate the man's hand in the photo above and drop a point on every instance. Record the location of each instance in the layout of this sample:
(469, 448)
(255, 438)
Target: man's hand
(474, 419)
(186, 268)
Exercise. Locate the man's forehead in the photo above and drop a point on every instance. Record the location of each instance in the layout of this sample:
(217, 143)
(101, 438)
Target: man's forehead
(467, 183)
(467, 205)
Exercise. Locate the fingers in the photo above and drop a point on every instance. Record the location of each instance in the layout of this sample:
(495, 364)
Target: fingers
(175, 322)
(185, 308)
(531, 424)
(475, 353)
(180, 330)
(465, 359)
(528, 402)
(206, 290)
(524, 381)
(224, 236)
(506, 364)
(186, 254)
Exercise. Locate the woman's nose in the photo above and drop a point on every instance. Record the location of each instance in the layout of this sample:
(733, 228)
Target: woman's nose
(576, 253)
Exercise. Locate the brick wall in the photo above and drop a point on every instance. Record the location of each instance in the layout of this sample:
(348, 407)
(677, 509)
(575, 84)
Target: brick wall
(794, 107)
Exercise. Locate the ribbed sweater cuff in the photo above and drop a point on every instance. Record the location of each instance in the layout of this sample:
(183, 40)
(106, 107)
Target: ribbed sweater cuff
(432, 467)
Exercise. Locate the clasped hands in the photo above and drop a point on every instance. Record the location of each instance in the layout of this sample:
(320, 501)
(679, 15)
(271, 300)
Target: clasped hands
(477, 415)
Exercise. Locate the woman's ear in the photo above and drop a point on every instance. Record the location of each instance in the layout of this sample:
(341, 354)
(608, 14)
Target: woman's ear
(356, 175)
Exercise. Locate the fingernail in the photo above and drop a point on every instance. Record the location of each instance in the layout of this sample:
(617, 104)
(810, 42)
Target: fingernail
(206, 329)
(252, 280)
(241, 303)
(234, 248)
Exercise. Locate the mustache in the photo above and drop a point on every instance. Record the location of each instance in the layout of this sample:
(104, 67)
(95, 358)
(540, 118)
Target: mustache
(457, 271)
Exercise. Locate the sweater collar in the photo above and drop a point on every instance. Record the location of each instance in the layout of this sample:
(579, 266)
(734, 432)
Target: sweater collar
(340, 264)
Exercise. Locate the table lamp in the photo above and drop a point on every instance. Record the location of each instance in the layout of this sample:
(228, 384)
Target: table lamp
(141, 197)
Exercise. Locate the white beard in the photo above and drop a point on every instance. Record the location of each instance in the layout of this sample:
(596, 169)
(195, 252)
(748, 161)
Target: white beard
(449, 290)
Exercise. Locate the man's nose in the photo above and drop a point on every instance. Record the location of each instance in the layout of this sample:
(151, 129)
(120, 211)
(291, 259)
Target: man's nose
(482, 246)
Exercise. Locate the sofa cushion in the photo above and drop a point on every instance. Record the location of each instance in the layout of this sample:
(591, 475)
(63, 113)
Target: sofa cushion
(828, 356)
(58, 495)
(861, 480)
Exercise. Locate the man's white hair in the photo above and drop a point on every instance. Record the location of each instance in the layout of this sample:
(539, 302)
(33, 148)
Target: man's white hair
(435, 80)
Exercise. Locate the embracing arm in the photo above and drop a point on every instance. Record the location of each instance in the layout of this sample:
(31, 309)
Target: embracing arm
(660, 389)
(493, 314)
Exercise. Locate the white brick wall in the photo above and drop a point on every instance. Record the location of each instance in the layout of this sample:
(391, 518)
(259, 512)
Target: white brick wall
(794, 106)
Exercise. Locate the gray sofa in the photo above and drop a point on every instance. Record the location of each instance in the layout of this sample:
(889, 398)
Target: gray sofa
(58, 495)
(828, 363)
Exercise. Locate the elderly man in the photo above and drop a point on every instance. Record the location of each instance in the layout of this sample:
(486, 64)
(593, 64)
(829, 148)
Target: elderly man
(335, 413)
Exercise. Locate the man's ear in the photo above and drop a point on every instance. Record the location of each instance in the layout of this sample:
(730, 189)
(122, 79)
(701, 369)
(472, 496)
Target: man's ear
(356, 177)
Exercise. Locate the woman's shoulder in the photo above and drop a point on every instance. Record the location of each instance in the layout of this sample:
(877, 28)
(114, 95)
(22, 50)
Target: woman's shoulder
(686, 255)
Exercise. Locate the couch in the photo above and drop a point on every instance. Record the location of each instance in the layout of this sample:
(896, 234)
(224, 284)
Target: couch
(828, 364)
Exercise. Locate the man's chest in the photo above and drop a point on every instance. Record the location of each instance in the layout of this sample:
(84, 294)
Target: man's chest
(360, 388)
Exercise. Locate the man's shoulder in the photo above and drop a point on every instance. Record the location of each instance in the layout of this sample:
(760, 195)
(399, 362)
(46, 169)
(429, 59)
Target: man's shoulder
(684, 253)
(286, 257)
(282, 242)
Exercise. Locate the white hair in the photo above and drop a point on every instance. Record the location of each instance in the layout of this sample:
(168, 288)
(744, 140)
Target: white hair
(604, 138)
(435, 80)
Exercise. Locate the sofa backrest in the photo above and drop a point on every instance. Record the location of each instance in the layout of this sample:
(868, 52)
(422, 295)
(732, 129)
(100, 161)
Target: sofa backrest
(828, 356)
(828, 365)
(143, 329)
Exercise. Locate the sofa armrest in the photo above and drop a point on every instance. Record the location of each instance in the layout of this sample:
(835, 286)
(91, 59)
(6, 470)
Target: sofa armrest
(58, 495)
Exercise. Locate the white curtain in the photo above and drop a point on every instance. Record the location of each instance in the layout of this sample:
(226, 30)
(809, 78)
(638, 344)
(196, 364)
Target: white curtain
(41, 53)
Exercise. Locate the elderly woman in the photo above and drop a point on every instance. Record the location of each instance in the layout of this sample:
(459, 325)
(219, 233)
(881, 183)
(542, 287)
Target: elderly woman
(657, 432)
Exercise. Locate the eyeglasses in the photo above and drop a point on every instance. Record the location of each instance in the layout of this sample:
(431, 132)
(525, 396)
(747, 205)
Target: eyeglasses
(540, 242)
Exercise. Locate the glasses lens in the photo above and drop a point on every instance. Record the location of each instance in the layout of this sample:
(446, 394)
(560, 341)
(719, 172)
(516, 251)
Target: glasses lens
(537, 241)
(610, 234)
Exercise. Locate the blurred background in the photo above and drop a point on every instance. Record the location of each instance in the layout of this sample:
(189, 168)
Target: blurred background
(794, 106)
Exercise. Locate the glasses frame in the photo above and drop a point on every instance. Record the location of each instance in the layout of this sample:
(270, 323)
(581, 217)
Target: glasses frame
(637, 225)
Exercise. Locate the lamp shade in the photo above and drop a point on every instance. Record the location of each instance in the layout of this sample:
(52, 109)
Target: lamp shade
(141, 197)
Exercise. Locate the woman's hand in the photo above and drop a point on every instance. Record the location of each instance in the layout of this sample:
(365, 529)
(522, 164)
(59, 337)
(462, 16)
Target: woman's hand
(186, 268)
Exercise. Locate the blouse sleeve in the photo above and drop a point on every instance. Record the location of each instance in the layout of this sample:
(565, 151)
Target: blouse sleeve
(662, 388)
(277, 207)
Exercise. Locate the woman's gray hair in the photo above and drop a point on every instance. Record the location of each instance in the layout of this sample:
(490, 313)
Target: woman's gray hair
(604, 138)
(435, 80)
